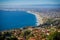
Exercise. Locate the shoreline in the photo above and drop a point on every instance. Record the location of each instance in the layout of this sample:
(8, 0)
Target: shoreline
(38, 17)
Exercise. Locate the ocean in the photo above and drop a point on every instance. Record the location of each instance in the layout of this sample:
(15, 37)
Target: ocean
(16, 19)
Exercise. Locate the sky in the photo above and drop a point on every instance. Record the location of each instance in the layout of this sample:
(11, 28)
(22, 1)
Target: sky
(28, 2)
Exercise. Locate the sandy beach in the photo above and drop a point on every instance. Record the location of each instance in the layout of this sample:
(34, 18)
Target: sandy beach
(38, 17)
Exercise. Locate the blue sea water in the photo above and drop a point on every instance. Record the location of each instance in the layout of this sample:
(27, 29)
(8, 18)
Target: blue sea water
(16, 19)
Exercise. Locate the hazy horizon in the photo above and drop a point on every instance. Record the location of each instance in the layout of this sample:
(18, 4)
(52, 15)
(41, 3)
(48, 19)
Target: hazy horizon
(28, 2)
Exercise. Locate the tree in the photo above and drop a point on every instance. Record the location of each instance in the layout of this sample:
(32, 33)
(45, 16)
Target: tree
(27, 32)
(54, 36)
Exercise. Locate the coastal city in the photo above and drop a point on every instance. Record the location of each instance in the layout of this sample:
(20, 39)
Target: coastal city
(29, 19)
(46, 29)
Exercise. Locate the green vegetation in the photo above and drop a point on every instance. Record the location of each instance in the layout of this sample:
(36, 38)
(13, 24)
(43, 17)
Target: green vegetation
(54, 36)
(45, 31)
